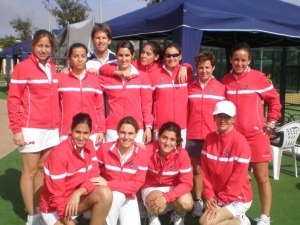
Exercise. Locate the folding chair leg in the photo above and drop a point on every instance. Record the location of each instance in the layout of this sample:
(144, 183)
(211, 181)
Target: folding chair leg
(295, 160)
(277, 155)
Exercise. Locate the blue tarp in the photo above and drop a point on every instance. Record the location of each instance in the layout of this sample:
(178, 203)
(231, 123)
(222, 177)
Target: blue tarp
(187, 22)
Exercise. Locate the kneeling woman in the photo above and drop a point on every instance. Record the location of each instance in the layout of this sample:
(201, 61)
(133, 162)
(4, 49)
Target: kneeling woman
(123, 169)
(169, 178)
(225, 158)
(68, 190)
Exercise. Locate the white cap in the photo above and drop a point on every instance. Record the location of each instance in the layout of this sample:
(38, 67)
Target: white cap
(226, 107)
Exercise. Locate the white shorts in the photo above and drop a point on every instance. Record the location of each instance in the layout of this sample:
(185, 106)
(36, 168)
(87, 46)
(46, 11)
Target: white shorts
(112, 135)
(238, 209)
(51, 218)
(37, 139)
(183, 136)
(146, 191)
(92, 137)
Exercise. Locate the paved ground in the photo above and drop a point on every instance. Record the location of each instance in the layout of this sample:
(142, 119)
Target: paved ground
(6, 142)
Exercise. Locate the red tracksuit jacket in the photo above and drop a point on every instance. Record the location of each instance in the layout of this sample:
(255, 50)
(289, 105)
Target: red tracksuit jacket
(175, 170)
(81, 96)
(132, 97)
(65, 171)
(30, 89)
(170, 98)
(247, 92)
(224, 162)
(127, 178)
(202, 103)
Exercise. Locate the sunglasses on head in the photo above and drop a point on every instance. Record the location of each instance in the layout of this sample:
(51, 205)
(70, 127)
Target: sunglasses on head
(172, 55)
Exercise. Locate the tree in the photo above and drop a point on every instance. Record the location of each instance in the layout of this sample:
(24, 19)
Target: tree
(23, 28)
(152, 2)
(7, 41)
(68, 11)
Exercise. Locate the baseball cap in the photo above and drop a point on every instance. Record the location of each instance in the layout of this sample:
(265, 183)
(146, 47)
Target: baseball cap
(226, 107)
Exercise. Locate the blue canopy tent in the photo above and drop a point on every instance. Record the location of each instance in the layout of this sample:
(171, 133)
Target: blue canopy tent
(8, 55)
(22, 50)
(216, 23)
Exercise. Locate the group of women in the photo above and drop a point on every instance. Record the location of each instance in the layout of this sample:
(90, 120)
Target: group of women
(99, 166)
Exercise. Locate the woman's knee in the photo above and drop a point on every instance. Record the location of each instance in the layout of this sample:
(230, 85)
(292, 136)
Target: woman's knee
(101, 194)
(185, 203)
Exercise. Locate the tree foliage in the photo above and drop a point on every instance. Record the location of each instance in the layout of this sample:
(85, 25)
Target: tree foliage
(7, 41)
(152, 2)
(23, 28)
(68, 11)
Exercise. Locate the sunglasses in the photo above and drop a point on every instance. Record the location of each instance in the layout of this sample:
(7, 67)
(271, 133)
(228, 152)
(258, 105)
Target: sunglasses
(172, 55)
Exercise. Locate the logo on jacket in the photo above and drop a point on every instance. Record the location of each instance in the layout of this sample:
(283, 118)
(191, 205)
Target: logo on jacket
(88, 85)
(212, 92)
(245, 86)
(171, 168)
(131, 166)
(226, 153)
(132, 81)
(163, 80)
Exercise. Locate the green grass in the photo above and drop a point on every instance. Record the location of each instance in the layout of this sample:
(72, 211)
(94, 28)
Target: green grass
(285, 210)
(3, 92)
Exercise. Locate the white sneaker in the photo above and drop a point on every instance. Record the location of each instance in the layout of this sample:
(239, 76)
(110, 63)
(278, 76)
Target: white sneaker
(35, 220)
(87, 214)
(153, 220)
(245, 220)
(198, 207)
(263, 220)
(177, 219)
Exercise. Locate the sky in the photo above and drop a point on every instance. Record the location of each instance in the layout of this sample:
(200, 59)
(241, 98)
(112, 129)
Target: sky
(35, 10)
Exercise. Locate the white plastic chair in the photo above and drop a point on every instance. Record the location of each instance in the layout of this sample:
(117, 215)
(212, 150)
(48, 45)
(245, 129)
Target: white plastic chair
(290, 132)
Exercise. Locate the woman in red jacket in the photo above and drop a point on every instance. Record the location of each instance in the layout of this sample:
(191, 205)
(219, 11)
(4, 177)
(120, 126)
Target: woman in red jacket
(68, 190)
(80, 91)
(169, 178)
(225, 159)
(127, 96)
(204, 92)
(170, 94)
(246, 88)
(123, 168)
(33, 90)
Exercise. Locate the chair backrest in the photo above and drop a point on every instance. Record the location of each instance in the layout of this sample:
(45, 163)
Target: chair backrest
(291, 132)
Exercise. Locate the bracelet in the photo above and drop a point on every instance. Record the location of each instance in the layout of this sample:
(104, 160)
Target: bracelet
(272, 122)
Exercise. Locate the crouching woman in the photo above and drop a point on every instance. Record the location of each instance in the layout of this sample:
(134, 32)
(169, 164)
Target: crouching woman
(225, 158)
(68, 190)
(169, 178)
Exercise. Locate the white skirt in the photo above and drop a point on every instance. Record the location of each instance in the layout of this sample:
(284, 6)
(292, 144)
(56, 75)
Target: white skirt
(37, 139)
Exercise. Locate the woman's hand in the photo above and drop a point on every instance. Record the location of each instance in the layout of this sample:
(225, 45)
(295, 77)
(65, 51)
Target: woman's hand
(157, 205)
(93, 71)
(182, 74)
(19, 139)
(211, 204)
(125, 74)
(147, 135)
(65, 70)
(99, 138)
(72, 205)
(100, 181)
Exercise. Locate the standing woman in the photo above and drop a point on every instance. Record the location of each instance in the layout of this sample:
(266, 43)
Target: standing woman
(80, 91)
(204, 92)
(68, 190)
(33, 88)
(127, 95)
(170, 97)
(123, 168)
(246, 88)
